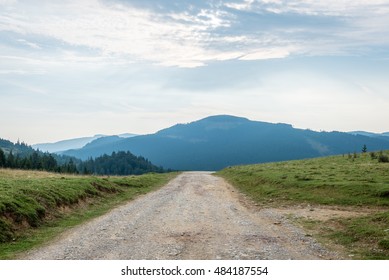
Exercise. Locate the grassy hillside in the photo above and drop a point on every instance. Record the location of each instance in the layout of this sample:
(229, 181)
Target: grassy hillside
(37, 205)
(357, 182)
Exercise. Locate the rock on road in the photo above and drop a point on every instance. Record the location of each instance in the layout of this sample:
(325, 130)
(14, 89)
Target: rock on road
(195, 216)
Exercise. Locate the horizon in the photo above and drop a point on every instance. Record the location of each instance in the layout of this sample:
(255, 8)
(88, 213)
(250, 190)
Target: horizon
(118, 134)
(71, 69)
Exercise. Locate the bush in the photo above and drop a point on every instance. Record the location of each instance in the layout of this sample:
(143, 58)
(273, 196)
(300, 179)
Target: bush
(383, 158)
(384, 244)
(6, 233)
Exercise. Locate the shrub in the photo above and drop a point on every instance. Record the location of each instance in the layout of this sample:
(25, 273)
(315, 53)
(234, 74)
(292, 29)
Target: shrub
(383, 158)
(384, 244)
(6, 233)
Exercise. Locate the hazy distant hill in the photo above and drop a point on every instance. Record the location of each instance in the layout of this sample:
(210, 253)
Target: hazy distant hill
(75, 143)
(370, 134)
(219, 141)
(98, 147)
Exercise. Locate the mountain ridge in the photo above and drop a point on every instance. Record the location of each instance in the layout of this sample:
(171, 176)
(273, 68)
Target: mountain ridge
(369, 134)
(216, 142)
(73, 143)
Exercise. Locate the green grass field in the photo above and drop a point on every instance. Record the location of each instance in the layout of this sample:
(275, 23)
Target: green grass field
(351, 182)
(36, 206)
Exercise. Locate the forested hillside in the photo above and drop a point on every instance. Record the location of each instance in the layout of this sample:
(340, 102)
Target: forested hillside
(120, 163)
(22, 156)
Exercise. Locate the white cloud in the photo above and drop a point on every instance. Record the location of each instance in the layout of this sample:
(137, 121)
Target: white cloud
(21, 72)
(30, 44)
(266, 54)
(6, 3)
(182, 39)
(314, 7)
(121, 30)
(242, 5)
(193, 37)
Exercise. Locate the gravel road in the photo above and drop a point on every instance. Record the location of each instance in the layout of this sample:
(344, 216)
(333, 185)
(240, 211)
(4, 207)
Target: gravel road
(195, 216)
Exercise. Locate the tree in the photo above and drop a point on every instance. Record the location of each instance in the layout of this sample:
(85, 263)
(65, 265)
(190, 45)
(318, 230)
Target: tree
(364, 148)
(71, 167)
(48, 162)
(10, 160)
(118, 163)
(2, 158)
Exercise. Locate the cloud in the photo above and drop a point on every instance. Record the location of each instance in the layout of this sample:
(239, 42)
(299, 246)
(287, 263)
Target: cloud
(241, 5)
(30, 44)
(189, 38)
(118, 30)
(324, 27)
(6, 3)
(319, 7)
(266, 54)
(21, 72)
(191, 34)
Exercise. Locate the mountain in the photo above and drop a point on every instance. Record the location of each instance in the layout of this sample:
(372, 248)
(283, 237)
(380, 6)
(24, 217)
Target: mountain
(75, 143)
(98, 147)
(220, 141)
(370, 134)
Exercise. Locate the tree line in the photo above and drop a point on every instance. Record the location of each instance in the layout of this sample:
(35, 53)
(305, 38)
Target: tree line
(118, 163)
(22, 156)
(35, 161)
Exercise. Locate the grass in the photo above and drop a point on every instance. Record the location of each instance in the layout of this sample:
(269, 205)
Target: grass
(366, 237)
(37, 206)
(359, 183)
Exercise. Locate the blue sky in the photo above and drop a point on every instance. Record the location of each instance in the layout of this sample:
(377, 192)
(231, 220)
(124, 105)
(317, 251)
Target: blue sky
(78, 68)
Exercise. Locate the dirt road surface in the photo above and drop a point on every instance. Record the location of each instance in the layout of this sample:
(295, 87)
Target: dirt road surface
(195, 216)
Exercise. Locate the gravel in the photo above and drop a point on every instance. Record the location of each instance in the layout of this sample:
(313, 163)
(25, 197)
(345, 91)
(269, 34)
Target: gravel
(195, 216)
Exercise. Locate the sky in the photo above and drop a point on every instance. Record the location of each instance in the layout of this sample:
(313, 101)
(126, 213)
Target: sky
(78, 68)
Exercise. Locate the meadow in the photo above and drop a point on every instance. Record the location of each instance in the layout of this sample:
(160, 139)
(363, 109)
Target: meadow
(352, 182)
(36, 206)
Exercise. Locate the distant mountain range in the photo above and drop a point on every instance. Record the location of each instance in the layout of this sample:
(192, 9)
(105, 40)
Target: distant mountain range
(75, 143)
(370, 134)
(220, 141)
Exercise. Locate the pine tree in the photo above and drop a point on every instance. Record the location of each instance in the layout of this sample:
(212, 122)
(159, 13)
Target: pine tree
(2, 158)
(10, 160)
